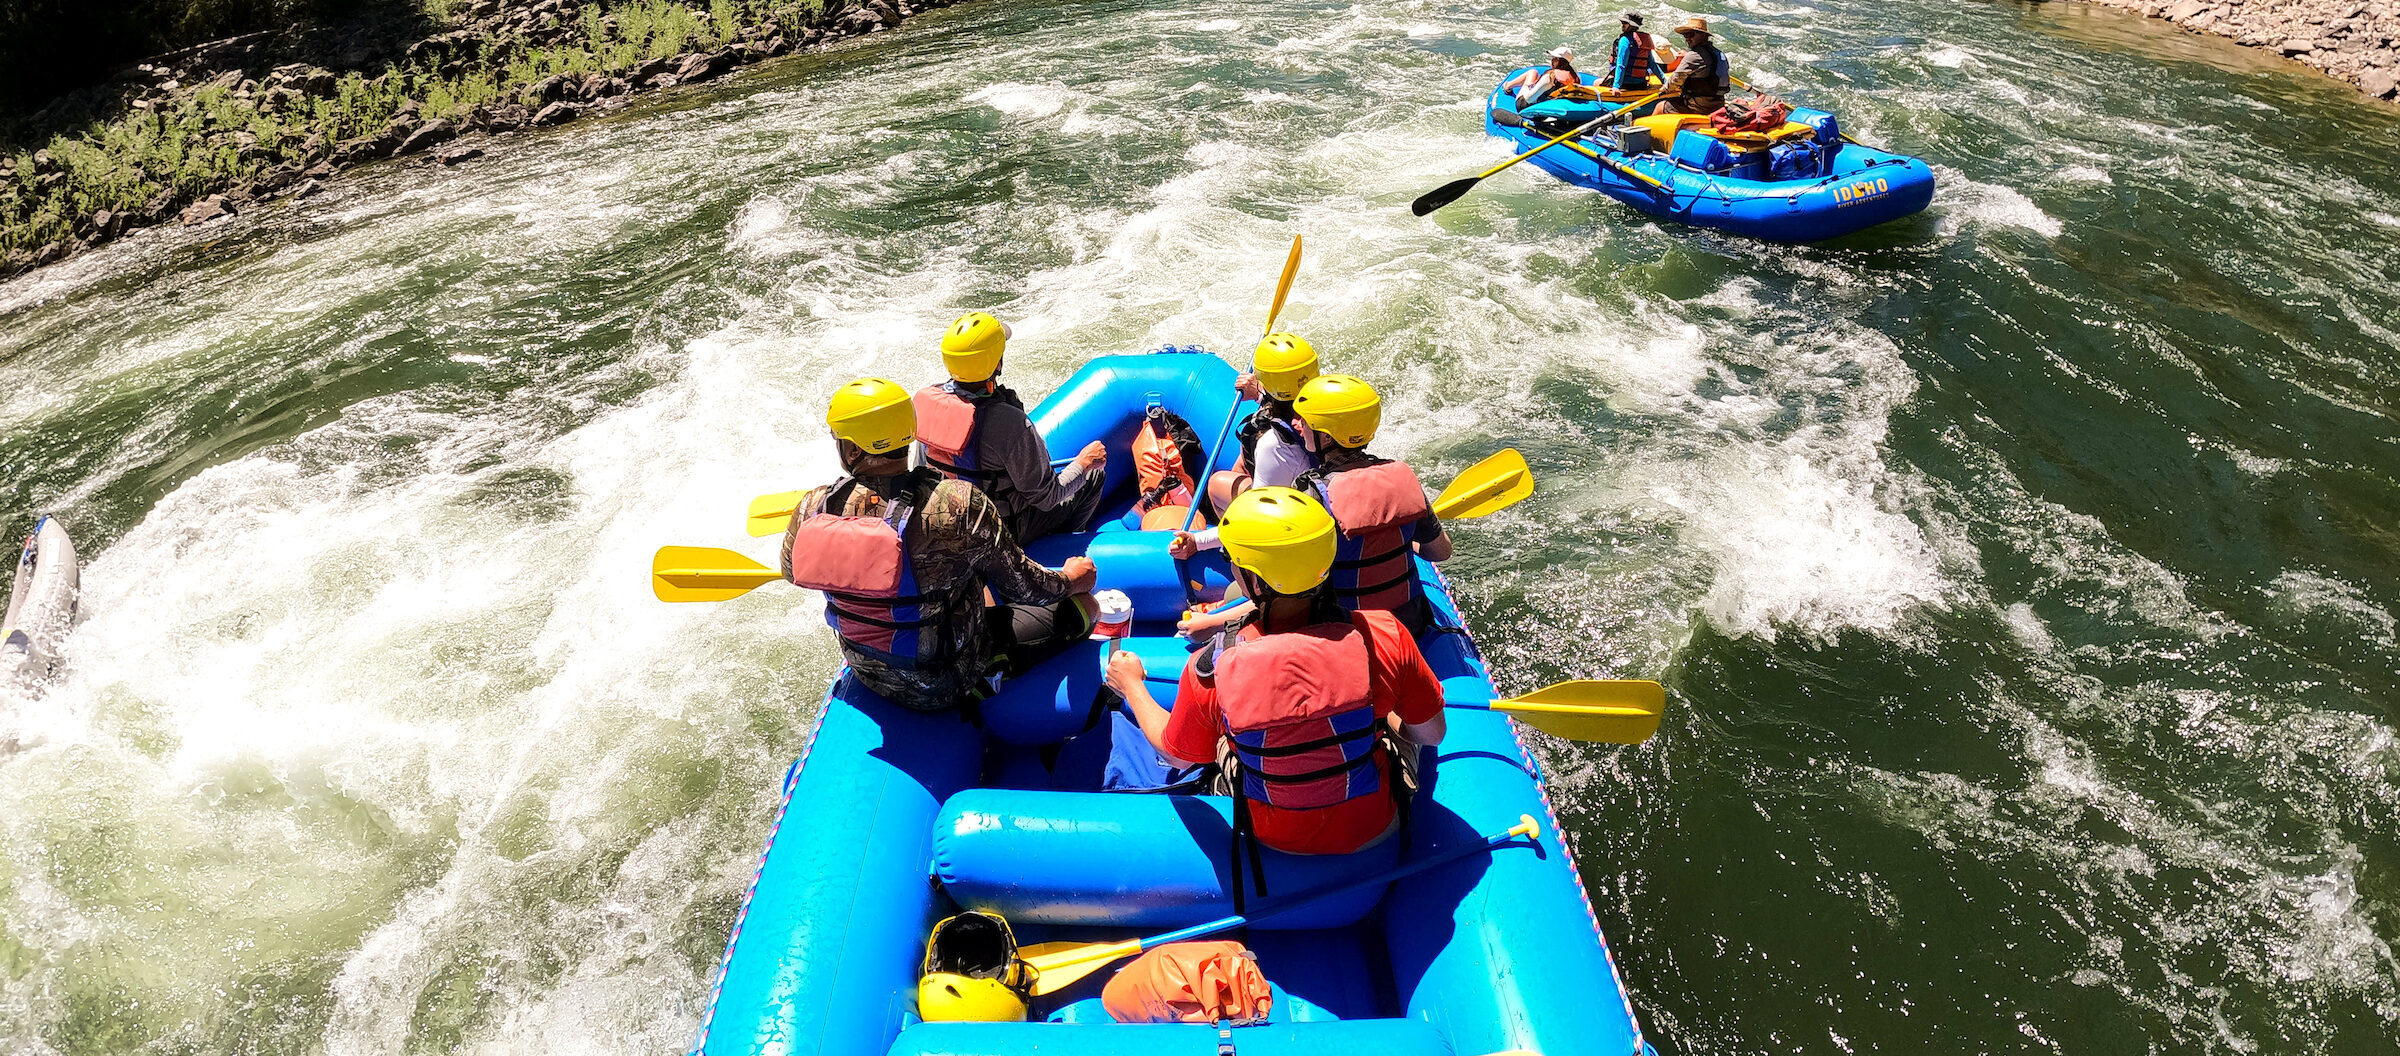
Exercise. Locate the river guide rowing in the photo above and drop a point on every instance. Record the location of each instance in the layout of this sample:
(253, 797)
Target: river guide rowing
(1800, 182)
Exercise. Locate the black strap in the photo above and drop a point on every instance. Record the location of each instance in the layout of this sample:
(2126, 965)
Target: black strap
(961, 471)
(905, 599)
(941, 612)
(1360, 592)
(1370, 562)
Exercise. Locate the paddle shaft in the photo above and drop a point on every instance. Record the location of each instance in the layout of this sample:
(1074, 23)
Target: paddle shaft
(1283, 287)
(1626, 171)
(1524, 827)
(1457, 189)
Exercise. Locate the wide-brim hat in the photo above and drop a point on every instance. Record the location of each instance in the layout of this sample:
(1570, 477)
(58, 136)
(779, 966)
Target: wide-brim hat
(1693, 25)
(1631, 18)
(1563, 52)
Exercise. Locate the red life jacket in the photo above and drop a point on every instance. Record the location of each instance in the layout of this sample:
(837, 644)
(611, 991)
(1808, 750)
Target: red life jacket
(1377, 506)
(1300, 715)
(870, 585)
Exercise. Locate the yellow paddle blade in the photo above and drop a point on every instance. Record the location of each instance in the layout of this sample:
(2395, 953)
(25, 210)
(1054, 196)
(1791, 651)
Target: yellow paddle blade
(1283, 288)
(1619, 711)
(771, 514)
(705, 573)
(1058, 965)
(1489, 486)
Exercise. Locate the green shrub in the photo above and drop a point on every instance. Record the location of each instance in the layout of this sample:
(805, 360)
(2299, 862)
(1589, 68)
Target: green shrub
(126, 162)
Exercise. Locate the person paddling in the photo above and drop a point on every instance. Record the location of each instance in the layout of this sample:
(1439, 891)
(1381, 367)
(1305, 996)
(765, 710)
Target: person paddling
(1533, 86)
(1636, 60)
(975, 429)
(1379, 503)
(1700, 79)
(905, 558)
(1304, 702)
(1273, 452)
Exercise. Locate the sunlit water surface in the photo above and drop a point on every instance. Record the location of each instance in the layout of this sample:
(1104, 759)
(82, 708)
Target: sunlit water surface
(2023, 572)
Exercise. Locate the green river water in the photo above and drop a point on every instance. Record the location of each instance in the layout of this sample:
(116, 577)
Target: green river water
(2023, 573)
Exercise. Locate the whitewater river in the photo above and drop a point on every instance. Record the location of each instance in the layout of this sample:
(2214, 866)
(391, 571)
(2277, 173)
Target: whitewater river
(2023, 573)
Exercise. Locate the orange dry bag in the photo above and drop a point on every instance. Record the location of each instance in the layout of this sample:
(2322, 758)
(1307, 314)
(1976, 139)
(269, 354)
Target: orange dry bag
(1190, 982)
(1164, 452)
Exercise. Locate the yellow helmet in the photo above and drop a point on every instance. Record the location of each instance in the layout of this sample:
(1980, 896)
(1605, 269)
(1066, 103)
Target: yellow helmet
(948, 997)
(971, 347)
(1282, 362)
(972, 972)
(874, 413)
(1282, 536)
(1340, 406)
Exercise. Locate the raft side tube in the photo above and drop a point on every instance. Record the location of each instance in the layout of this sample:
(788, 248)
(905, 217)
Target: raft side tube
(1130, 860)
(824, 958)
(1500, 951)
(1357, 1037)
(1104, 400)
(42, 601)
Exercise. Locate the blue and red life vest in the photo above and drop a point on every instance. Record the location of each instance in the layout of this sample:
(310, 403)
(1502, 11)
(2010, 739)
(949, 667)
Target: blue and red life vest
(862, 565)
(950, 425)
(1633, 70)
(1378, 505)
(1299, 713)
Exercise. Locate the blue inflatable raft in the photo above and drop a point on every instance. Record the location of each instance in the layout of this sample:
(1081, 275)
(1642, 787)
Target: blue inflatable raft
(1799, 183)
(894, 819)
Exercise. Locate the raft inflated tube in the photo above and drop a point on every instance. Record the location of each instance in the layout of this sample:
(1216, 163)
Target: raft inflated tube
(1129, 860)
(1358, 1037)
(1708, 182)
(1108, 397)
(1054, 701)
(41, 605)
(1138, 564)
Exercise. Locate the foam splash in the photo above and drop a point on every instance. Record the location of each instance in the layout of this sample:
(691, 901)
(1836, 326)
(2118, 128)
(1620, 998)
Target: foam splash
(1965, 201)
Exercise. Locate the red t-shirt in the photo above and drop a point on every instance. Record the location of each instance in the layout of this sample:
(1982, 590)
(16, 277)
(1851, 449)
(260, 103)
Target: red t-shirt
(1399, 682)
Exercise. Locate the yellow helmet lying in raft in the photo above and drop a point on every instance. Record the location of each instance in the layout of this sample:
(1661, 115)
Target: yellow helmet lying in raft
(972, 972)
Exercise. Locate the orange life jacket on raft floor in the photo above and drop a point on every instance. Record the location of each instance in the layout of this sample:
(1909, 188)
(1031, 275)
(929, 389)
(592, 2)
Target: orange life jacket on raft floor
(870, 585)
(1377, 505)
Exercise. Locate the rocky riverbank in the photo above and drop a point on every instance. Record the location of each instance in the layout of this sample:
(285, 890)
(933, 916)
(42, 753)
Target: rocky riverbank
(2354, 40)
(212, 130)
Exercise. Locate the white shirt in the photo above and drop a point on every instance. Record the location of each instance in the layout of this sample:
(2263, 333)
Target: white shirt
(1274, 463)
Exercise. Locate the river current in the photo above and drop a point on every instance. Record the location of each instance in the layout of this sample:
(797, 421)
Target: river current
(2023, 573)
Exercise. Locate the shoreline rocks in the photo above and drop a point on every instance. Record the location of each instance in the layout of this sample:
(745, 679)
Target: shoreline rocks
(2357, 41)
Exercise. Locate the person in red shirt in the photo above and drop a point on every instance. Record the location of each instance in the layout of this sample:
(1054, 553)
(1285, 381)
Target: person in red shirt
(1298, 693)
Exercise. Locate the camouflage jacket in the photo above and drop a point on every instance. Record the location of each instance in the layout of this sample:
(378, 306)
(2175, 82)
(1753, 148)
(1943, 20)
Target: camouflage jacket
(956, 540)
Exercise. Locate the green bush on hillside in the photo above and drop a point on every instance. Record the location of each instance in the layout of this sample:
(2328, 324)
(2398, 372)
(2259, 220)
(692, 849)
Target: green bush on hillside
(190, 148)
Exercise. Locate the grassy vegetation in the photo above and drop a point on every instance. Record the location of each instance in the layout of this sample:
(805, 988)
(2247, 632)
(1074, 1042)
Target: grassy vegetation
(197, 145)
